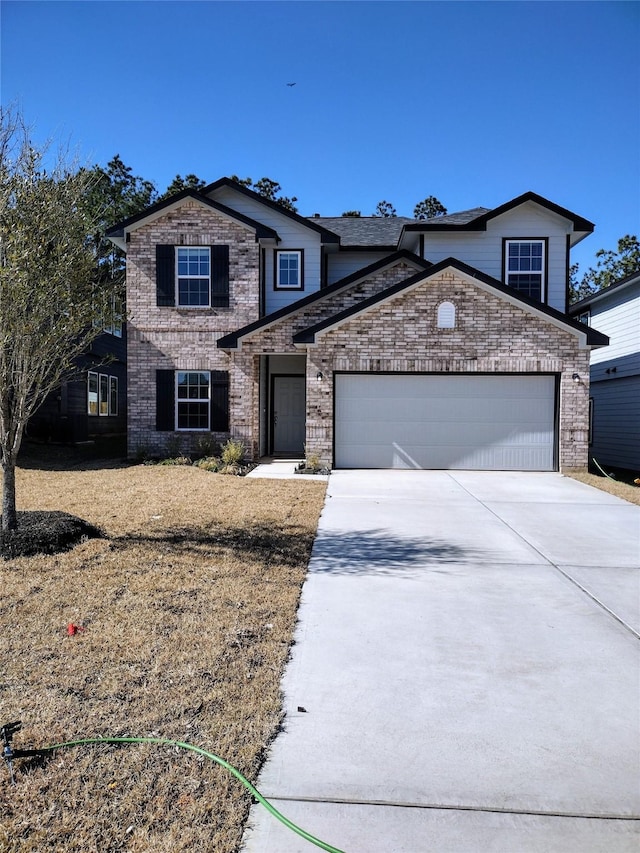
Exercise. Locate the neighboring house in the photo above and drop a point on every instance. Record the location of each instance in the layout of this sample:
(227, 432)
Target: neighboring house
(372, 342)
(615, 372)
(94, 402)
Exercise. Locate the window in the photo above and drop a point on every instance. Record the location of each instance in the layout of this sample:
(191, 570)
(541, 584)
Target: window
(113, 317)
(103, 407)
(102, 394)
(92, 389)
(524, 267)
(113, 395)
(584, 317)
(193, 399)
(446, 315)
(194, 265)
(289, 270)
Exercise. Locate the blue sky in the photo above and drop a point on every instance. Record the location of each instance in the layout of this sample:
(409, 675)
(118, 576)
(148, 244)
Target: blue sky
(473, 102)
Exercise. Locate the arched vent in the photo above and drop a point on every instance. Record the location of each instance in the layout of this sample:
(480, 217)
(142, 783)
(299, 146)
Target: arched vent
(446, 315)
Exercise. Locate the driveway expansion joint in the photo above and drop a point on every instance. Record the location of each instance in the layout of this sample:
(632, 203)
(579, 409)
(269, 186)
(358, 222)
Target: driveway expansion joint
(348, 801)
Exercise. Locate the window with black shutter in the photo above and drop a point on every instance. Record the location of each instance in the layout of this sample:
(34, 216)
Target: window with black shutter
(165, 276)
(219, 276)
(165, 400)
(219, 401)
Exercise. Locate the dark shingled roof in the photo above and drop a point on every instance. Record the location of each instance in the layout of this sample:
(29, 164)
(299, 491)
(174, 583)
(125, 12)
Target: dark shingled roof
(384, 231)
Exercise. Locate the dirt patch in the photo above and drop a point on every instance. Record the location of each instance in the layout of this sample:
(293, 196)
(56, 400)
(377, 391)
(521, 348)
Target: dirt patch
(187, 608)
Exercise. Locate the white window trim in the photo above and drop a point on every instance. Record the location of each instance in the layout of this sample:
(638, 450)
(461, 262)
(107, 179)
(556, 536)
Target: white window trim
(196, 277)
(97, 393)
(543, 281)
(300, 284)
(192, 400)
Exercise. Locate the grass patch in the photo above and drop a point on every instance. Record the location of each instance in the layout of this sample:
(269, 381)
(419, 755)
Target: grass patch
(622, 486)
(188, 606)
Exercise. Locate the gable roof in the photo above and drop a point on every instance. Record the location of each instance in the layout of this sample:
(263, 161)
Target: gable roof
(327, 235)
(160, 207)
(308, 336)
(460, 222)
(232, 340)
(627, 281)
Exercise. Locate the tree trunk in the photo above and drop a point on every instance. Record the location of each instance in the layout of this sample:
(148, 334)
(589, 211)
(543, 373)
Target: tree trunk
(9, 515)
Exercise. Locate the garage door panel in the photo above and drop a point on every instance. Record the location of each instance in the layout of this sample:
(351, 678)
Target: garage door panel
(459, 422)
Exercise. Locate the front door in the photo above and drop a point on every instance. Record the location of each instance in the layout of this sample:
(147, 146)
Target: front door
(288, 414)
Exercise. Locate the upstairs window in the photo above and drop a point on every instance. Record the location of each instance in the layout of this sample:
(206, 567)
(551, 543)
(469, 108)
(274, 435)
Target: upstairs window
(524, 267)
(584, 317)
(289, 270)
(194, 276)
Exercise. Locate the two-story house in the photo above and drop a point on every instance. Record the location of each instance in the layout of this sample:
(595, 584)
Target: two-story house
(615, 372)
(374, 342)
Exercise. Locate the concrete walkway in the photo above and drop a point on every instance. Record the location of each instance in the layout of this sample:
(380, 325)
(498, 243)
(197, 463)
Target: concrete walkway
(467, 661)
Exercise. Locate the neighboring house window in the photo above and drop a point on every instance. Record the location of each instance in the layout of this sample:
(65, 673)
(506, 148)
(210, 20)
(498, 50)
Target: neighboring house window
(193, 271)
(92, 390)
(113, 395)
(192, 400)
(192, 276)
(446, 315)
(584, 317)
(112, 324)
(102, 394)
(289, 270)
(524, 267)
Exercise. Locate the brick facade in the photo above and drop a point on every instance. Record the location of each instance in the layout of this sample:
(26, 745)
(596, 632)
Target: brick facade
(491, 335)
(181, 338)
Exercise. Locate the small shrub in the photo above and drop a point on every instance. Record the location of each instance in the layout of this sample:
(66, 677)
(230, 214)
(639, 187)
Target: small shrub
(174, 446)
(177, 460)
(209, 463)
(312, 460)
(206, 446)
(232, 453)
(142, 453)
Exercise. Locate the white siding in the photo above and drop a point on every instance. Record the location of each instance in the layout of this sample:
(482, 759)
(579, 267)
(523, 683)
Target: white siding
(616, 422)
(619, 317)
(342, 264)
(293, 235)
(483, 249)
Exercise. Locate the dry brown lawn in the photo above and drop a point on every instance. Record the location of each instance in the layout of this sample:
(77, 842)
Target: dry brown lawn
(188, 607)
(627, 491)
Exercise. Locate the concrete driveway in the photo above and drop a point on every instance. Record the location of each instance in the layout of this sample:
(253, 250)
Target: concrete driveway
(467, 661)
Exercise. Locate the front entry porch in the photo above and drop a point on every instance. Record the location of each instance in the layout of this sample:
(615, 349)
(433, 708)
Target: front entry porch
(283, 405)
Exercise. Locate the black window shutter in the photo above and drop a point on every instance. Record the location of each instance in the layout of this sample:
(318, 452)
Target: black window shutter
(219, 401)
(219, 276)
(165, 401)
(165, 275)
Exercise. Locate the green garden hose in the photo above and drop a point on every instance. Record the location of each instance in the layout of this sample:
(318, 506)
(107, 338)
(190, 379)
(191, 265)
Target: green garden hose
(212, 757)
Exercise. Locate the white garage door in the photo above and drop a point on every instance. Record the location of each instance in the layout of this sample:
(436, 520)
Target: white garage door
(468, 422)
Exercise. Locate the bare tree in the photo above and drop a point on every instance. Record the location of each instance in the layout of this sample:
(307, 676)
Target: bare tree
(49, 306)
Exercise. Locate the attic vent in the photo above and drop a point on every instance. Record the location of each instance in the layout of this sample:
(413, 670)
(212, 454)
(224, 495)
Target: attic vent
(446, 315)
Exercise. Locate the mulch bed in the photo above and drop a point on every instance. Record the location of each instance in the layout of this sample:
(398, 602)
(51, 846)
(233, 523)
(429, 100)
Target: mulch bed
(40, 532)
